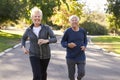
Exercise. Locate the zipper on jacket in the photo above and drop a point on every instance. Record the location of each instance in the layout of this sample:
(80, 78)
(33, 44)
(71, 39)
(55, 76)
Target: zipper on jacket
(41, 55)
(40, 46)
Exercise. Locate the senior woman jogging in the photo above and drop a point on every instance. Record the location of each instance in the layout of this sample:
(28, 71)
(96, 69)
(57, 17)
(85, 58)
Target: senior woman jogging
(40, 37)
(75, 42)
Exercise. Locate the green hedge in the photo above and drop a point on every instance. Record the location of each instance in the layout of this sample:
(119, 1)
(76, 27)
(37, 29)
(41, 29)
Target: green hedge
(94, 28)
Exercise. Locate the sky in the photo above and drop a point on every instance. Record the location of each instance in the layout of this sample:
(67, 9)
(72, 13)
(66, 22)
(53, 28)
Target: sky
(98, 5)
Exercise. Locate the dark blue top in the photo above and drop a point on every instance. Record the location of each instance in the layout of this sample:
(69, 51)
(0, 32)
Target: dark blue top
(77, 37)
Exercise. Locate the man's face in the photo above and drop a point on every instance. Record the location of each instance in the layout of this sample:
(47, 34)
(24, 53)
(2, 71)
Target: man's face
(74, 22)
(36, 18)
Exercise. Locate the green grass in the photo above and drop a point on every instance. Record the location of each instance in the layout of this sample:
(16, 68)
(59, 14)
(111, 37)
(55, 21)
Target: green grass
(110, 43)
(8, 40)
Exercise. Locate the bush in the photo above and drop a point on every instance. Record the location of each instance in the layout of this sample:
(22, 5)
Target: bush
(94, 28)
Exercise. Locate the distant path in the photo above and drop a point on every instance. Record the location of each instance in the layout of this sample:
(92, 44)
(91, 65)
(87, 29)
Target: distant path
(99, 66)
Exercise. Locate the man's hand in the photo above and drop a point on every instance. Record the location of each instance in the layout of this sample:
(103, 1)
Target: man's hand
(83, 48)
(71, 45)
(42, 41)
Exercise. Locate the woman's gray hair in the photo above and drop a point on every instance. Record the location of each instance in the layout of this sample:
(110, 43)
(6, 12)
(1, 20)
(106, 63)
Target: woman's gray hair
(36, 9)
(70, 18)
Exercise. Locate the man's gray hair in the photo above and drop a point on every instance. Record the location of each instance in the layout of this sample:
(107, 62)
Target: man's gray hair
(36, 9)
(73, 17)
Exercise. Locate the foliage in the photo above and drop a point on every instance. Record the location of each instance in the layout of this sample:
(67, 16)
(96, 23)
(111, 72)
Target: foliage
(111, 20)
(94, 28)
(96, 17)
(114, 9)
(94, 23)
(61, 17)
(14, 10)
(10, 10)
(45, 5)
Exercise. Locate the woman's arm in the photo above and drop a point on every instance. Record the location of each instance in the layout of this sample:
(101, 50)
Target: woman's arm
(23, 41)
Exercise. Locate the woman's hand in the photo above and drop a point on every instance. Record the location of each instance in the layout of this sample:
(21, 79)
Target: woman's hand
(42, 41)
(25, 50)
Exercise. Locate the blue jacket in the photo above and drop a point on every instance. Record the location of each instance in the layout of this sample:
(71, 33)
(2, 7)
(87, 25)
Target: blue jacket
(80, 39)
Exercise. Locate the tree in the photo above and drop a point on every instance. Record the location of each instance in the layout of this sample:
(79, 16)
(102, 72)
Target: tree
(114, 9)
(9, 10)
(61, 16)
(14, 10)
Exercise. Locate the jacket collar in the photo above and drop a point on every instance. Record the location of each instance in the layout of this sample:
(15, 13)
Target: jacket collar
(31, 26)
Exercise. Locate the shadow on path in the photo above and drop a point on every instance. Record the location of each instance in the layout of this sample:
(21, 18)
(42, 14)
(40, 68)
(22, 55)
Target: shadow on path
(99, 65)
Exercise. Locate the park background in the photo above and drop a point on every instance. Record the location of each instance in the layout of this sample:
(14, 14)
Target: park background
(101, 19)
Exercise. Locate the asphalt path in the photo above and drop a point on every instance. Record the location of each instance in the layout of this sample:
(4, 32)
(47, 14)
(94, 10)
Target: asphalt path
(100, 65)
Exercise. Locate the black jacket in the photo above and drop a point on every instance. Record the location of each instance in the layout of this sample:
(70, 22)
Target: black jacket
(42, 51)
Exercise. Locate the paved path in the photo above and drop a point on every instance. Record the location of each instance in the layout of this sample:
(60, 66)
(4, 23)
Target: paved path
(14, 65)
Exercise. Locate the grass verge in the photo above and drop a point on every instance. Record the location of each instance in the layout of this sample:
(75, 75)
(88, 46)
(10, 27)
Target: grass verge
(8, 40)
(110, 43)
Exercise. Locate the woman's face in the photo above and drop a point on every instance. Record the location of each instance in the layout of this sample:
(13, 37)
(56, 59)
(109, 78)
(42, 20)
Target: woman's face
(36, 18)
